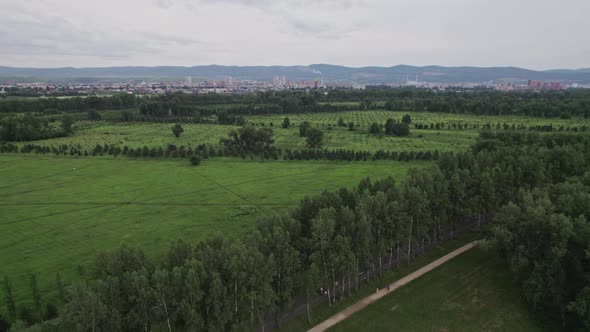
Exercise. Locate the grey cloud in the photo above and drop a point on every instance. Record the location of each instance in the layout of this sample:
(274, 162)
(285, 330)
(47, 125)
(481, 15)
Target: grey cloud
(289, 3)
(537, 34)
(169, 38)
(165, 4)
(48, 34)
(283, 12)
(315, 29)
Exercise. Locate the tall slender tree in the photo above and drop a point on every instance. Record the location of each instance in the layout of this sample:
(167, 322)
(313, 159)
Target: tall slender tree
(323, 233)
(36, 297)
(9, 299)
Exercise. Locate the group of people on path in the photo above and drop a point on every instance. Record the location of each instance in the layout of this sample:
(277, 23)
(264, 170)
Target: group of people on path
(388, 288)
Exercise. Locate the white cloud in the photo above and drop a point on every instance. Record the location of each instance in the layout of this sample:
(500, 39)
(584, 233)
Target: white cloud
(528, 33)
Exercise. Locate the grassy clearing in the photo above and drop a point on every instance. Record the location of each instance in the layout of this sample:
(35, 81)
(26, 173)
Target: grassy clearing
(365, 118)
(135, 135)
(341, 138)
(472, 292)
(54, 217)
(88, 134)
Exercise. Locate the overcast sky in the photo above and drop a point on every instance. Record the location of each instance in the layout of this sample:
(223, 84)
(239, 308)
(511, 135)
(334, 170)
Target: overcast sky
(536, 34)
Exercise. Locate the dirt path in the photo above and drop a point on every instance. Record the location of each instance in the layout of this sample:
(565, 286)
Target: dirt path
(382, 292)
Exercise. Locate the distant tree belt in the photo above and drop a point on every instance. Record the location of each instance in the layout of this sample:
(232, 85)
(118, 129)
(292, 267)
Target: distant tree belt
(30, 128)
(208, 151)
(539, 185)
(562, 104)
(543, 104)
(40, 105)
(223, 118)
(483, 102)
(505, 126)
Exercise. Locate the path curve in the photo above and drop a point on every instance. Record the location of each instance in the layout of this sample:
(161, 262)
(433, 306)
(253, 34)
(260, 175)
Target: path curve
(328, 323)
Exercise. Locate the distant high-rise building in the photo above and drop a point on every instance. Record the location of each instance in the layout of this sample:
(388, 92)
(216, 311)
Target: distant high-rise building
(539, 85)
(534, 84)
(189, 81)
(279, 80)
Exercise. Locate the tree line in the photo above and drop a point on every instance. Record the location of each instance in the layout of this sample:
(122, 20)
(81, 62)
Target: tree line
(392, 127)
(480, 102)
(551, 104)
(30, 128)
(205, 151)
(505, 126)
(74, 104)
(544, 231)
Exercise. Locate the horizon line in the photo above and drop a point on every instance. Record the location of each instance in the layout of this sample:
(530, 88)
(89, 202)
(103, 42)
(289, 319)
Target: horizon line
(295, 65)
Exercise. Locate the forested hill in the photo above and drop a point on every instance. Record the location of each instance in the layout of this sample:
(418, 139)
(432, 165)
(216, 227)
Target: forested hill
(370, 75)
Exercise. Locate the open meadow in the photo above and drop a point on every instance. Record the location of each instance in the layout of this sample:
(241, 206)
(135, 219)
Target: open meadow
(363, 119)
(140, 134)
(57, 212)
(449, 138)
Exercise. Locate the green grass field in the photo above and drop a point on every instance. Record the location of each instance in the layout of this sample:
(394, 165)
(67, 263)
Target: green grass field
(422, 140)
(88, 134)
(140, 134)
(135, 135)
(472, 292)
(55, 217)
(365, 118)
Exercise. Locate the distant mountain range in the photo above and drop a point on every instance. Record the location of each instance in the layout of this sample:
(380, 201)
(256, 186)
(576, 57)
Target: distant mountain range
(367, 75)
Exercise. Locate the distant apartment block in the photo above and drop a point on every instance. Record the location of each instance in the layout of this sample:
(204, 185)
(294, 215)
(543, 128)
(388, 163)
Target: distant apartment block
(542, 85)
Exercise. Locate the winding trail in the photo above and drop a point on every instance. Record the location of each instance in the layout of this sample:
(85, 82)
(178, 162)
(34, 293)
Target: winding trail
(330, 322)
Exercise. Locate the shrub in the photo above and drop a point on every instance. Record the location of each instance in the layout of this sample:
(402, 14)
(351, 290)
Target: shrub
(195, 160)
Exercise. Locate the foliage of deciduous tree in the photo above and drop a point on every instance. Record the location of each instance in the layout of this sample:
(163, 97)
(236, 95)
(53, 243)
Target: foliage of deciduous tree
(177, 130)
(314, 138)
(303, 128)
(376, 129)
(86, 311)
(93, 115)
(127, 116)
(407, 119)
(250, 140)
(394, 128)
(286, 123)
(36, 295)
(195, 160)
(27, 128)
(9, 299)
(67, 123)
